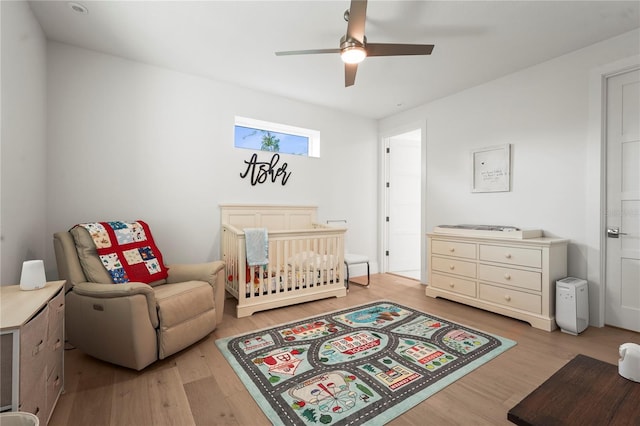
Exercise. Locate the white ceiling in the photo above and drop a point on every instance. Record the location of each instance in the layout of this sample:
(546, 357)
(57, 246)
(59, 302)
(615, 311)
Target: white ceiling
(235, 41)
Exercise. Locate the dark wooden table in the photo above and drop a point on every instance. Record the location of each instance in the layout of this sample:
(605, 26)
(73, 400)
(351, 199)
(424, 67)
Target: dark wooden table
(585, 391)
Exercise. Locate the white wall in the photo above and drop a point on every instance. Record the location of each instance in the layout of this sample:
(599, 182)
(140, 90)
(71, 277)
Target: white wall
(23, 151)
(543, 112)
(131, 141)
(127, 140)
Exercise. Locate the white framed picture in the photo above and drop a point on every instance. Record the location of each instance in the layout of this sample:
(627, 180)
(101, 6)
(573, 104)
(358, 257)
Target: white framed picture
(490, 169)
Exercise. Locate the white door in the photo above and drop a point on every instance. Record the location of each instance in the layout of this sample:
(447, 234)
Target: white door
(622, 298)
(404, 204)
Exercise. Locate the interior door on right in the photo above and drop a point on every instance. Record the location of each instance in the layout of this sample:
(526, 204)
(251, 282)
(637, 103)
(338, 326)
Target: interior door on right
(622, 297)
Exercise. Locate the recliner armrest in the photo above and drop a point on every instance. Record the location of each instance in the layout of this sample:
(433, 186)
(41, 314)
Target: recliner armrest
(111, 291)
(212, 272)
(195, 272)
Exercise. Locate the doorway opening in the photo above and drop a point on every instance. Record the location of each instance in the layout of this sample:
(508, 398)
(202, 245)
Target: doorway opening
(403, 204)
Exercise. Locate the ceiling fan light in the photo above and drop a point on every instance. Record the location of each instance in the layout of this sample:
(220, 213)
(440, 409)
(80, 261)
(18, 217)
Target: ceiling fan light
(353, 54)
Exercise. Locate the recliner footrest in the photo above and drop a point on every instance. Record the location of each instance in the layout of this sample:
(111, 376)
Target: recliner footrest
(186, 312)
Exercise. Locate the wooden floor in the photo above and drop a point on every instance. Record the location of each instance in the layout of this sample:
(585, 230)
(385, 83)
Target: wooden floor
(198, 387)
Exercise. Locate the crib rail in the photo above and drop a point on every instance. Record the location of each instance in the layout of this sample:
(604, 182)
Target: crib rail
(304, 265)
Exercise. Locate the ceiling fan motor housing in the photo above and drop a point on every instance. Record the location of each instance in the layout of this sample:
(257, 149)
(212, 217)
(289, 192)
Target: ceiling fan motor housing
(346, 42)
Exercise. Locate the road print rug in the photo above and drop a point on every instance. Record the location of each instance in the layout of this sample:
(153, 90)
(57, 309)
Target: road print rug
(367, 364)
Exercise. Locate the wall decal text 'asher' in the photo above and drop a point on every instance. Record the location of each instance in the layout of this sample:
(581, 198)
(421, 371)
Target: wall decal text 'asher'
(260, 171)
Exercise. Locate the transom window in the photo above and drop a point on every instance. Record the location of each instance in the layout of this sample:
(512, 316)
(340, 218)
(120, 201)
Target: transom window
(274, 137)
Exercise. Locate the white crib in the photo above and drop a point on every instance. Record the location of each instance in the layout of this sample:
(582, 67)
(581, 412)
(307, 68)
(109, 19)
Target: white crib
(306, 259)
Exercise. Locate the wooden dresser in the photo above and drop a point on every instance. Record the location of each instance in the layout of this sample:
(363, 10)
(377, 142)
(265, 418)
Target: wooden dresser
(32, 348)
(512, 277)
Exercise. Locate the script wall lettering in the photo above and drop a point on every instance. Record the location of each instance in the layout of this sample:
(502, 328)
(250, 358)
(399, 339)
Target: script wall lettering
(261, 171)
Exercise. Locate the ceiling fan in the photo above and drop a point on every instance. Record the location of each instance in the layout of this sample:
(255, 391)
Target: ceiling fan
(354, 47)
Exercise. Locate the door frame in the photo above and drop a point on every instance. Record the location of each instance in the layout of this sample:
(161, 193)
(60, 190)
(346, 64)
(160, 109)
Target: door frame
(383, 142)
(596, 201)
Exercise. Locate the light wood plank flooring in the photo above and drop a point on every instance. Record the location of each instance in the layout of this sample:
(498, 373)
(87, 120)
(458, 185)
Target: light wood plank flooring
(198, 387)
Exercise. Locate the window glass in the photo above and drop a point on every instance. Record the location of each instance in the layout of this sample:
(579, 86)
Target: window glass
(273, 137)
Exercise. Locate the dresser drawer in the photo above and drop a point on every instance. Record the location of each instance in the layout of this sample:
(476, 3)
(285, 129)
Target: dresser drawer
(453, 266)
(512, 277)
(452, 248)
(54, 387)
(453, 284)
(55, 347)
(56, 313)
(33, 399)
(55, 331)
(511, 255)
(33, 344)
(511, 298)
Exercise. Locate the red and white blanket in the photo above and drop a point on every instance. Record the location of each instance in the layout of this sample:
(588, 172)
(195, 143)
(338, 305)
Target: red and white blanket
(127, 251)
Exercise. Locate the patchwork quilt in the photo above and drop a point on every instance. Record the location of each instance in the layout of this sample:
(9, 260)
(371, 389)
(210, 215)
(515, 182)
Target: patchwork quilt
(127, 251)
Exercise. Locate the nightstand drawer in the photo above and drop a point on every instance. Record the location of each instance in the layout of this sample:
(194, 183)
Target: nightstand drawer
(452, 248)
(512, 277)
(453, 284)
(452, 266)
(511, 255)
(511, 298)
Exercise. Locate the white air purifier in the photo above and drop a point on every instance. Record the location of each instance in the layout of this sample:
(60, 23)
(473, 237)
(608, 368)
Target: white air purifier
(32, 276)
(572, 305)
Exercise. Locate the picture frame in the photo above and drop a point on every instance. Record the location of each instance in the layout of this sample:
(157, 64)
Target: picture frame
(491, 169)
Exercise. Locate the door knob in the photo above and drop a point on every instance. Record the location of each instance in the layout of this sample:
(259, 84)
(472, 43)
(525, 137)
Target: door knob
(614, 232)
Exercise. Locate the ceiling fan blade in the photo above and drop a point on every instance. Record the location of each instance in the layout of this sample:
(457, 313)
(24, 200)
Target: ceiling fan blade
(357, 17)
(392, 49)
(350, 74)
(307, 52)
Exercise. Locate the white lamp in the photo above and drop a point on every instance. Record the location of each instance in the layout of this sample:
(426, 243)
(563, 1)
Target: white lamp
(32, 277)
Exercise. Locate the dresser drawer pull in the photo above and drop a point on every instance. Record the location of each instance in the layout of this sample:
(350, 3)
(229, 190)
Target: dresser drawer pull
(36, 349)
(507, 298)
(452, 267)
(507, 255)
(452, 285)
(507, 276)
(452, 249)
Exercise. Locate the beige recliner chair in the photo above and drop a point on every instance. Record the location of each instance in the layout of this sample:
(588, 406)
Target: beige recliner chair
(134, 324)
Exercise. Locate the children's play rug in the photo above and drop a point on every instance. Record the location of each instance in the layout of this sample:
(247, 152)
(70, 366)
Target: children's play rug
(367, 364)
